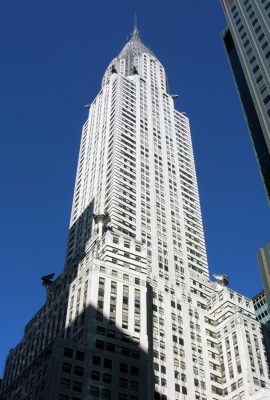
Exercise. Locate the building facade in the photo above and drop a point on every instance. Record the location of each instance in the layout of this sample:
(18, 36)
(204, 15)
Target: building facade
(264, 263)
(263, 316)
(134, 315)
(261, 308)
(247, 42)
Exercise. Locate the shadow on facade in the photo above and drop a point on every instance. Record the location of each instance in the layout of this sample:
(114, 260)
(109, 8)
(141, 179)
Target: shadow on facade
(95, 360)
(266, 338)
(86, 358)
(79, 234)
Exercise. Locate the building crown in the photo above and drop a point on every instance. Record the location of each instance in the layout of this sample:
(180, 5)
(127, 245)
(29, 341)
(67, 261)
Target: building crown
(134, 47)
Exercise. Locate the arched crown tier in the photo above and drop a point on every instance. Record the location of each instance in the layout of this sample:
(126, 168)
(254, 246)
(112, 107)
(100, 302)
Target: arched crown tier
(128, 63)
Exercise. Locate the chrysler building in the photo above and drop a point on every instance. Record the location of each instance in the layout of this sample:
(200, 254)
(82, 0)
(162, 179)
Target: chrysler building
(134, 314)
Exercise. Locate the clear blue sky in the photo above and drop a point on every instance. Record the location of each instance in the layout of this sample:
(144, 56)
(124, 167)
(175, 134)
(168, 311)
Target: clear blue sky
(53, 55)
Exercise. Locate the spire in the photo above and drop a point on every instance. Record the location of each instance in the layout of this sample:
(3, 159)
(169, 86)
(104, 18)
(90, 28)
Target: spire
(133, 48)
(135, 33)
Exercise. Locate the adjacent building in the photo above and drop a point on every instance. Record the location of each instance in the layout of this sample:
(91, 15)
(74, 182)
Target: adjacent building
(264, 263)
(247, 42)
(261, 308)
(263, 316)
(134, 314)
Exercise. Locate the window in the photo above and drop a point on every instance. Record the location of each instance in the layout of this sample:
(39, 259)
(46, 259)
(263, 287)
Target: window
(266, 99)
(77, 386)
(123, 368)
(134, 371)
(66, 367)
(94, 391)
(80, 355)
(95, 375)
(100, 330)
(184, 390)
(134, 385)
(110, 347)
(106, 394)
(78, 370)
(107, 378)
(65, 383)
(96, 360)
(68, 352)
(123, 383)
(135, 354)
(110, 333)
(163, 382)
(99, 344)
(107, 363)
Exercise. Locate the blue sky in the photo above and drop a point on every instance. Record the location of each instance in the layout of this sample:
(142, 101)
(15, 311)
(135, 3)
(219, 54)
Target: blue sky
(53, 57)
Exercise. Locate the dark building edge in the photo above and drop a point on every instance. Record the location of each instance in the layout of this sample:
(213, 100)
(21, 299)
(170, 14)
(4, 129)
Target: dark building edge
(255, 129)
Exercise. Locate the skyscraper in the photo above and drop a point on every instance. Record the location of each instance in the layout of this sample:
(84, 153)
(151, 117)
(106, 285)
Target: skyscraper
(247, 42)
(264, 263)
(134, 314)
(261, 308)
